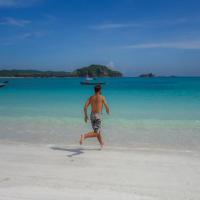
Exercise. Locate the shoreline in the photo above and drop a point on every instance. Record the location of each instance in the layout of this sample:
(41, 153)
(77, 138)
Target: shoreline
(84, 172)
(108, 147)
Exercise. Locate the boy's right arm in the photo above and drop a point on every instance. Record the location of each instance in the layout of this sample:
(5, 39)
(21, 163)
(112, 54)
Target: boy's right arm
(85, 109)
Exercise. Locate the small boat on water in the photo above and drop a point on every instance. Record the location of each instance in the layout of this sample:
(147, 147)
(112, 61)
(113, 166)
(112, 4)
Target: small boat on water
(89, 78)
(92, 83)
(3, 84)
(89, 81)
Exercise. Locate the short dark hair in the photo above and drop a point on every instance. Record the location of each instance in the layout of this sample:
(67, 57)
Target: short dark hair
(97, 88)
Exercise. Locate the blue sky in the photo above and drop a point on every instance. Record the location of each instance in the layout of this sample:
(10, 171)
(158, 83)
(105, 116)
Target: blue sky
(134, 36)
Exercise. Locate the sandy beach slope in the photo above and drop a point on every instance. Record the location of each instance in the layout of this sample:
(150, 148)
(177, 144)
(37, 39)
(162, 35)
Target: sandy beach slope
(61, 172)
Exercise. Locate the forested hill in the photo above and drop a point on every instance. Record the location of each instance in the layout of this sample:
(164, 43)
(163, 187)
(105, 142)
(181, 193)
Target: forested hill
(97, 71)
(92, 70)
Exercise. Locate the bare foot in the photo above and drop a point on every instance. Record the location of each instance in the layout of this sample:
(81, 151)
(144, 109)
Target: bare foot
(81, 140)
(102, 145)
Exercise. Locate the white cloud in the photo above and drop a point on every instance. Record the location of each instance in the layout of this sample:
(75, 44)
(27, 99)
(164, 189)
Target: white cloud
(14, 22)
(170, 45)
(6, 43)
(115, 26)
(146, 24)
(25, 36)
(111, 64)
(36, 34)
(16, 3)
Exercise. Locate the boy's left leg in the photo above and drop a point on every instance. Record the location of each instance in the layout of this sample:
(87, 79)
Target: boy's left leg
(100, 139)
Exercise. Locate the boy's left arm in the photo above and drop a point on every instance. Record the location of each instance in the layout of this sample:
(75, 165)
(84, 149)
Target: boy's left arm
(106, 105)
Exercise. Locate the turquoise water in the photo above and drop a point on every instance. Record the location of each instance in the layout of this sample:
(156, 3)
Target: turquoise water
(156, 112)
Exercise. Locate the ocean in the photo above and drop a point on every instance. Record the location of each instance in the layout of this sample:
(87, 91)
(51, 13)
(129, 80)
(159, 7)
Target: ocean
(145, 112)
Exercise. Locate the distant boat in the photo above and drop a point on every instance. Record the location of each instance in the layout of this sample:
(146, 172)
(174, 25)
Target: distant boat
(148, 75)
(92, 83)
(89, 81)
(3, 84)
(89, 78)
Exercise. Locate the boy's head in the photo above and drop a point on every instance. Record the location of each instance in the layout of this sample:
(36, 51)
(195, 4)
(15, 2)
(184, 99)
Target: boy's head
(97, 88)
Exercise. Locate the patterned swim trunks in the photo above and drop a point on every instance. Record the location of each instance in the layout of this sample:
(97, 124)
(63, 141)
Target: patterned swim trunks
(96, 122)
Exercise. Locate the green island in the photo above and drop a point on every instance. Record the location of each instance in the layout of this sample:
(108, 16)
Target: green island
(91, 71)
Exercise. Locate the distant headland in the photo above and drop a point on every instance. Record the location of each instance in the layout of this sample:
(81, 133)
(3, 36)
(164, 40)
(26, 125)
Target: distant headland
(91, 71)
(148, 75)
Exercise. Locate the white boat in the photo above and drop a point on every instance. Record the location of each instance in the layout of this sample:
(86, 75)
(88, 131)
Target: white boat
(89, 78)
(89, 81)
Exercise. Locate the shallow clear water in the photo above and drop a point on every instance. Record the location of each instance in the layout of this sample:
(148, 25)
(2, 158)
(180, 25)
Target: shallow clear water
(156, 112)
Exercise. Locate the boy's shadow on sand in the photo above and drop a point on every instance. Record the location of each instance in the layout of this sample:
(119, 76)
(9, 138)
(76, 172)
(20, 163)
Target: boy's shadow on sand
(74, 151)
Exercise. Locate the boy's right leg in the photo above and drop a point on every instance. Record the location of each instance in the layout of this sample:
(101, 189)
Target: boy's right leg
(87, 135)
(90, 135)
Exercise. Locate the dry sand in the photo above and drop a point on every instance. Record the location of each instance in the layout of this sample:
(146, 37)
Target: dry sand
(59, 172)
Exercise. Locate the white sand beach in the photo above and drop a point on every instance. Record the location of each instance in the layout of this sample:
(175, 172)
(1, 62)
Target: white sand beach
(38, 172)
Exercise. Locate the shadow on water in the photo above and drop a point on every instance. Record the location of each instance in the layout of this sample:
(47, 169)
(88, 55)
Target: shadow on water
(74, 151)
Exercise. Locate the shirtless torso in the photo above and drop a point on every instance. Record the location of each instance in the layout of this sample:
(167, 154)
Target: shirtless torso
(97, 102)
